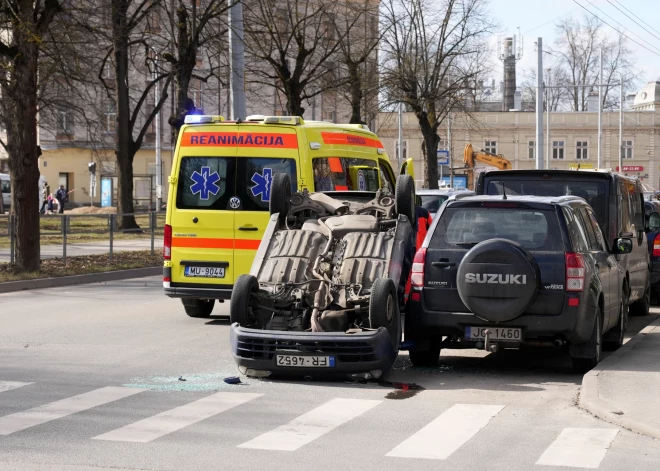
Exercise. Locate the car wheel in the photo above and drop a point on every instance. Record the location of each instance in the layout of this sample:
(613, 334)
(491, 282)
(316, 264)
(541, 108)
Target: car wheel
(280, 191)
(428, 357)
(240, 305)
(613, 340)
(641, 307)
(198, 307)
(594, 346)
(384, 310)
(404, 197)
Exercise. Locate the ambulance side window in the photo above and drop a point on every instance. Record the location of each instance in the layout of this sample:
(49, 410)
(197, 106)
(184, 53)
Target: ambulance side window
(386, 178)
(205, 182)
(255, 175)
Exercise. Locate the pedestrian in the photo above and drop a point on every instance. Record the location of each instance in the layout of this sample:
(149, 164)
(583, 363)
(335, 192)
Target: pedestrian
(45, 193)
(51, 204)
(62, 197)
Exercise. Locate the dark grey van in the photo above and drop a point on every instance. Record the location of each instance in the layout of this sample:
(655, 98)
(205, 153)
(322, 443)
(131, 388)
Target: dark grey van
(617, 200)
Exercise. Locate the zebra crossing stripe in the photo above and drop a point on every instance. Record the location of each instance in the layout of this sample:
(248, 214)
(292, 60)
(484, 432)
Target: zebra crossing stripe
(447, 433)
(312, 425)
(172, 420)
(579, 448)
(9, 385)
(58, 409)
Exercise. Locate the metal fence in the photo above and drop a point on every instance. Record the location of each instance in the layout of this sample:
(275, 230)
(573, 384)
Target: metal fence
(69, 229)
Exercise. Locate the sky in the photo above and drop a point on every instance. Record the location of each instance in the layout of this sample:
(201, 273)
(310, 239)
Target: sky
(536, 18)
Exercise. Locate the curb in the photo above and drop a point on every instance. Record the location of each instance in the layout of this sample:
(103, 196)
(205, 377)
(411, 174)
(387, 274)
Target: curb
(12, 286)
(590, 399)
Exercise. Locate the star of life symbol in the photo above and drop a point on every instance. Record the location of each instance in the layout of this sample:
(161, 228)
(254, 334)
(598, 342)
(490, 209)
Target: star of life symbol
(262, 183)
(205, 183)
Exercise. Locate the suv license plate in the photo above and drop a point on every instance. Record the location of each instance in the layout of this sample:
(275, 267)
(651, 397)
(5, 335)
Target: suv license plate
(299, 360)
(496, 333)
(205, 272)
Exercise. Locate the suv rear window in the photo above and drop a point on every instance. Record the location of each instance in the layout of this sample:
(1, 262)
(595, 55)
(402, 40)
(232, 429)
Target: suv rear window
(344, 174)
(594, 193)
(467, 226)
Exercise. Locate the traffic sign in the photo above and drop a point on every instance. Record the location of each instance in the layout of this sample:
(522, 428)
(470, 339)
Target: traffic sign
(443, 157)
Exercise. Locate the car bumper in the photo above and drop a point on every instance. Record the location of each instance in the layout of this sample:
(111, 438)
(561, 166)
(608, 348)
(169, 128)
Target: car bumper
(359, 353)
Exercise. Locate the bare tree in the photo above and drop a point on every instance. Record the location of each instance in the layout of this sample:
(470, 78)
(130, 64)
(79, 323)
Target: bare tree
(292, 45)
(432, 55)
(556, 94)
(24, 24)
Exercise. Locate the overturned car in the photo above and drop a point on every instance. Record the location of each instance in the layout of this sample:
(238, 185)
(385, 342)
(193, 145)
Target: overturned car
(324, 293)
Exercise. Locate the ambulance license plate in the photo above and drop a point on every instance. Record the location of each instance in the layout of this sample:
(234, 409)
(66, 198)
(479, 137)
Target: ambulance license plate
(205, 272)
(299, 360)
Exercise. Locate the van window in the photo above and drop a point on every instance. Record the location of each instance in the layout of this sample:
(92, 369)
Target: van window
(254, 176)
(5, 186)
(206, 183)
(432, 203)
(344, 174)
(594, 193)
(464, 227)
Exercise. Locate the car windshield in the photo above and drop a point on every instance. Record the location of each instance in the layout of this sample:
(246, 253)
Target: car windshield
(433, 202)
(594, 193)
(344, 174)
(533, 229)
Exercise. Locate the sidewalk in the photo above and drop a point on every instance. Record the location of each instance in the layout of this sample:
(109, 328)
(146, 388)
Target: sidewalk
(625, 388)
(91, 248)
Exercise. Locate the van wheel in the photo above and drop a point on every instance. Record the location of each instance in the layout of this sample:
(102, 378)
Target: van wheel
(428, 357)
(240, 306)
(198, 307)
(593, 347)
(641, 307)
(613, 339)
(384, 310)
(404, 198)
(280, 191)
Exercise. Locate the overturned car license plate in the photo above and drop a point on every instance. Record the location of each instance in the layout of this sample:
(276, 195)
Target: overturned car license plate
(299, 360)
(206, 272)
(495, 333)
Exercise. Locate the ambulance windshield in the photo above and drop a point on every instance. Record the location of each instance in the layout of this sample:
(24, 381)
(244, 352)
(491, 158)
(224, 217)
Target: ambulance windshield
(345, 174)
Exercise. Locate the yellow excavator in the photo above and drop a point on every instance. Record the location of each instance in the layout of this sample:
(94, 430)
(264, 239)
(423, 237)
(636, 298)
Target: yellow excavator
(470, 157)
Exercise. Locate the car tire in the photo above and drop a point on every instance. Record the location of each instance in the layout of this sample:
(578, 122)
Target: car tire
(384, 310)
(199, 308)
(404, 197)
(280, 191)
(642, 306)
(240, 305)
(594, 345)
(428, 357)
(613, 339)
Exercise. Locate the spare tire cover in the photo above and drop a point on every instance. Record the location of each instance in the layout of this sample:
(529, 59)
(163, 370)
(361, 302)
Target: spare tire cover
(498, 279)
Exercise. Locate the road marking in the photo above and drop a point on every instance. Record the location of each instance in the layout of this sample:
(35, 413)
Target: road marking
(579, 447)
(172, 420)
(58, 409)
(9, 385)
(312, 425)
(447, 433)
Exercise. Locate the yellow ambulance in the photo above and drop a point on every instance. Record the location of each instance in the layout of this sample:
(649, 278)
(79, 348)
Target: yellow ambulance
(219, 192)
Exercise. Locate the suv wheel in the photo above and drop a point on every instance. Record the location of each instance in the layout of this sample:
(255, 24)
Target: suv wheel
(198, 307)
(428, 357)
(613, 340)
(641, 307)
(384, 310)
(240, 305)
(594, 346)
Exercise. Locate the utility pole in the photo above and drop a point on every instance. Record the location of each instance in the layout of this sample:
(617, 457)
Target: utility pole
(159, 160)
(400, 149)
(548, 142)
(539, 106)
(621, 123)
(451, 153)
(600, 111)
(236, 46)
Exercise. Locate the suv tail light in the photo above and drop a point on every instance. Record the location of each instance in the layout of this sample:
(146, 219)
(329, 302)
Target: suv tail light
(167, 242)
(656, 246)
(417, 275)
(574, 272)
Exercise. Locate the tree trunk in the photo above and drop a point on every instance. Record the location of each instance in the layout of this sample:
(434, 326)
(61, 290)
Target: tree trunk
(294, 102)
(355, 84)
(23, 151)
(123, 139)
(186, 61)
(431, 141)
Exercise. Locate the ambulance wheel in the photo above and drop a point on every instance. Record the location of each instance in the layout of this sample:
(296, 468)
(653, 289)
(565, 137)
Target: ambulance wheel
(404, 197)
(240, 306)
(280, 191)
(198, 307)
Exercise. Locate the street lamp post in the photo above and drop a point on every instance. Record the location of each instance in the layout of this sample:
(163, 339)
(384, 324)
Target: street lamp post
(159, 160)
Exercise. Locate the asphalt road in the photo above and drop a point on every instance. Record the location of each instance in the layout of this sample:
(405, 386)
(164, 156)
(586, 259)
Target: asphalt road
(90, 380)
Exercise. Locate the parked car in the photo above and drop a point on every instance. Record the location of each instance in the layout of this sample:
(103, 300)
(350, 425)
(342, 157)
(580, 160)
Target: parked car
(498, 272)
(433, 199)
(617, 201)
(323, 295)
(652, 210)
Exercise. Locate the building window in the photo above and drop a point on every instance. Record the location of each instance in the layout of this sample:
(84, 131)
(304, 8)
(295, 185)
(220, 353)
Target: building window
(581, 150)
(442, 144)
(627, 149)
(196, 92)
(558, 150)
(490, 146)
(110, 117)
(404, 150)
(531, 149)
(65, 121)
(108, 70)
